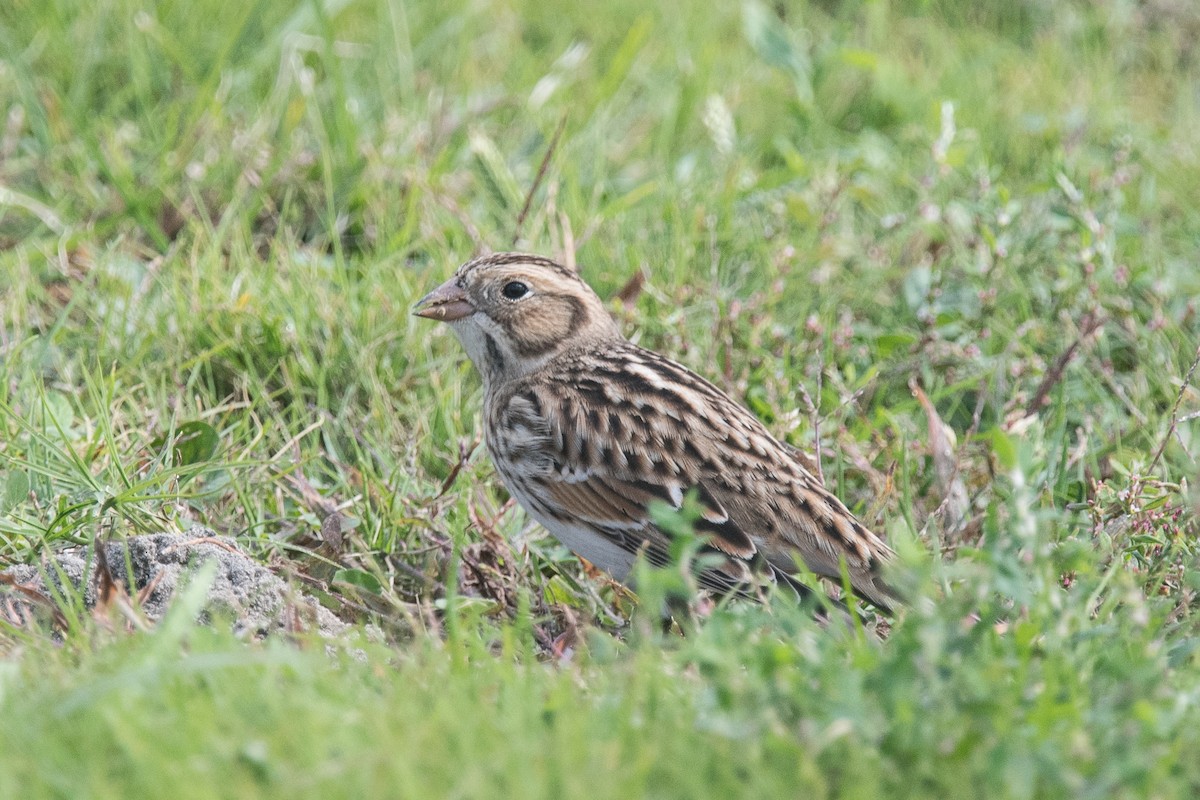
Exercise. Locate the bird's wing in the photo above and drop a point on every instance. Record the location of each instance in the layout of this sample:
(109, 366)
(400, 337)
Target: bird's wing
(619, 507)
(604, 471)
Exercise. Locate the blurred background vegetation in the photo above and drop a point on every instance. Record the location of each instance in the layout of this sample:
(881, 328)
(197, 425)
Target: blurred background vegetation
(953, 244)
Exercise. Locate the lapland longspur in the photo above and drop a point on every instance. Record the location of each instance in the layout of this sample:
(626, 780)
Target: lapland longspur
(587, 429)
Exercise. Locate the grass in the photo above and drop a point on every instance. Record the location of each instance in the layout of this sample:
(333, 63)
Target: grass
(213, 223)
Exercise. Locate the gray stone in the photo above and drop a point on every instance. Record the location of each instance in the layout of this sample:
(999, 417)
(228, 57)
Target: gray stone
(257, 601)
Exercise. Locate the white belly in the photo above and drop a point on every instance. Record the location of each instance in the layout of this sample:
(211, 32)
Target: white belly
(584, 542)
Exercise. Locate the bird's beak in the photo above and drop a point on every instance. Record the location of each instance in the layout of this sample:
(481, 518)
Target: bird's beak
(446, 303)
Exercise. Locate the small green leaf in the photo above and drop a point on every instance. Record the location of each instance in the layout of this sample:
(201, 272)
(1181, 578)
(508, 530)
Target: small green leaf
(1004, 448)
(1191, 579)
(559, 591)
(16, 489)
(359, 579)
(195, 442)
(59, 415)
(889, 343)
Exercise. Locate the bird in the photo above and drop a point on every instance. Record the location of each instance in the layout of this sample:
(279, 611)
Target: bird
(587, 430)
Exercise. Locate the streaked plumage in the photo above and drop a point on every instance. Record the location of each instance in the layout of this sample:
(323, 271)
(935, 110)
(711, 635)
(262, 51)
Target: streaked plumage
(586, 429)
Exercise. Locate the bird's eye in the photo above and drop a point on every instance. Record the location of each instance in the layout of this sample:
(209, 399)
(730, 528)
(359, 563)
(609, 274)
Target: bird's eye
(514, 290)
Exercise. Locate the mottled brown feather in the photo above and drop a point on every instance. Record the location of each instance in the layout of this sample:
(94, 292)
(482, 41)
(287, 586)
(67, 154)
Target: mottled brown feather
(743, 476)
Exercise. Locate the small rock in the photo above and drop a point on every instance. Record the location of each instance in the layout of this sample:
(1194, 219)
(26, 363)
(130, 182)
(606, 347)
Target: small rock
(259, 602)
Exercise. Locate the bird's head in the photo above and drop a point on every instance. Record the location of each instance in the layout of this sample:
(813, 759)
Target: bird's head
(514, 312)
